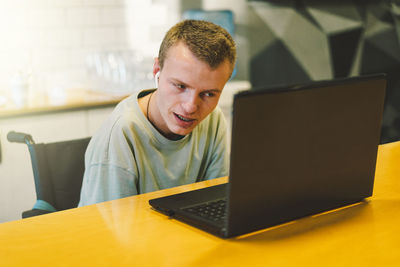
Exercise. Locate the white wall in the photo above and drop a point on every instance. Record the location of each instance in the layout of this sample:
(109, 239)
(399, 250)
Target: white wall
(52, 38)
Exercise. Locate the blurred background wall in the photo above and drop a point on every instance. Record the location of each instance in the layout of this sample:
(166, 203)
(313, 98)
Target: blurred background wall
(296, 41)
(51, 40)
(61, 44)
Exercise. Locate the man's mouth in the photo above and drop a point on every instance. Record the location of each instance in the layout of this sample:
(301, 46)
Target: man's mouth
(183, 118)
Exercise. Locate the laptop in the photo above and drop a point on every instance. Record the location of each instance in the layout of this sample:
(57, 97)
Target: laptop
(295, 151)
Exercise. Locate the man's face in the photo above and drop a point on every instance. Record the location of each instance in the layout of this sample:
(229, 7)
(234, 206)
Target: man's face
(188, 90)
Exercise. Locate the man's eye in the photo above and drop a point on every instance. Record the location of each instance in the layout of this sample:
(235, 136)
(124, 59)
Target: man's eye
(180, 86)
(209, 94)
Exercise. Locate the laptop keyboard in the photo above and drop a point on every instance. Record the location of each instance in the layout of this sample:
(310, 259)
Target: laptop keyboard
(214, 210)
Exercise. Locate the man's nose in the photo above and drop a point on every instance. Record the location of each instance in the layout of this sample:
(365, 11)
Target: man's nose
(191, 103)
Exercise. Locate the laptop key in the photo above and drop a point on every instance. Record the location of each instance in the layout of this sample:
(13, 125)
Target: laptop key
(214, 210)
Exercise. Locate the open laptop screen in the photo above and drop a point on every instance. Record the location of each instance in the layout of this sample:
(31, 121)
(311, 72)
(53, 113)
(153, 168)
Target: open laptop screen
(303, 150)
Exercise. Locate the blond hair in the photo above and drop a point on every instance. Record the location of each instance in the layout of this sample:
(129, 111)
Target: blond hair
(208, 42)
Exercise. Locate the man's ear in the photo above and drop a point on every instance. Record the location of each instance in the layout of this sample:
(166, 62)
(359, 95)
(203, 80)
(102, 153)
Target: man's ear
(156, 77)
(156, 66)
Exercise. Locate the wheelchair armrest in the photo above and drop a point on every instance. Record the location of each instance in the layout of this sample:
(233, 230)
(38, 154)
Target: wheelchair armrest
(34, 212)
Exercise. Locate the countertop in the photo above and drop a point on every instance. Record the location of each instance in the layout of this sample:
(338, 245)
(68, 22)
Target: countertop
(77, 99)
(71, 99)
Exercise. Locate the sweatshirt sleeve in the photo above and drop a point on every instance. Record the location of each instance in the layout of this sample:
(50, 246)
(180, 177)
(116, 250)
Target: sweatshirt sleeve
(110, 166)
(103, 182)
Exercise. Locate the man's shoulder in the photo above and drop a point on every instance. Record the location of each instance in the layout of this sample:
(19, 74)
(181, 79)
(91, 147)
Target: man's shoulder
(216, 117)
(123, 118)
(126, 111)
(214, 123)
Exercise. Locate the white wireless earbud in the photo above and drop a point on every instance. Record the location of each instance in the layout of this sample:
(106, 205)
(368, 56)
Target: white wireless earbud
(156, 78)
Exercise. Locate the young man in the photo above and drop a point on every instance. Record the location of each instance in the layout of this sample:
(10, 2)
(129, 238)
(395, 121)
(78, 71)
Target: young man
(172, 135)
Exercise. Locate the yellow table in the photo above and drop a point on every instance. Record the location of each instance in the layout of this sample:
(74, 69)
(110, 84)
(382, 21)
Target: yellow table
(127, 232)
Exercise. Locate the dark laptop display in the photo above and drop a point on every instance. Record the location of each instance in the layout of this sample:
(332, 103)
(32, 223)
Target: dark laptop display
(295, 152)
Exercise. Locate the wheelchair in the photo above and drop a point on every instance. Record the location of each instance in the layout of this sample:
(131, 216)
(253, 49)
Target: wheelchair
(58, 169)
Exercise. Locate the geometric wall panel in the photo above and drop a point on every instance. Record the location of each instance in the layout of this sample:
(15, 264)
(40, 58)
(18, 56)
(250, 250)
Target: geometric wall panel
(343, 48)
(278, 65)
(329, 39)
